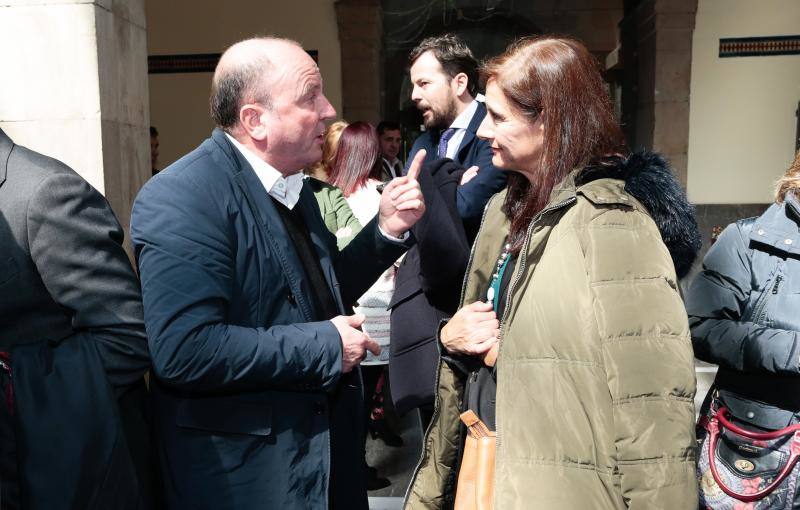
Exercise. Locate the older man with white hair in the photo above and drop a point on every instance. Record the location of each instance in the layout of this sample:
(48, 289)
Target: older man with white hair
(257, 392)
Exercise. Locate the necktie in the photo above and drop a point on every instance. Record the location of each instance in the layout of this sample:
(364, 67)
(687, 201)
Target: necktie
(447, 134)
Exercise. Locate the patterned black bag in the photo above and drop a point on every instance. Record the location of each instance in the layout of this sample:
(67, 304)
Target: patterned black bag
(739, 468)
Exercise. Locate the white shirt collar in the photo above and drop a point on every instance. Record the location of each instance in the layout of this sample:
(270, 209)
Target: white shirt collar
(285, 190)
(464, 118)
(392, 163)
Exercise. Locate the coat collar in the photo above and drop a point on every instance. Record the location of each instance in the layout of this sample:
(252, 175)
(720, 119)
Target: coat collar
(469, 134)
(605, 191)
(779, 227)
(270, 219)
(6, 146)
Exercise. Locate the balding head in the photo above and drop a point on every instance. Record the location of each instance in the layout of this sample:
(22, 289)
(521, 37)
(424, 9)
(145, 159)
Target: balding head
(245, 74)
(267, 94)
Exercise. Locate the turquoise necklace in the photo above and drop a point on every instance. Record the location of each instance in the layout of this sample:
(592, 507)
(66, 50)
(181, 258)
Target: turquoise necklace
(497, 278)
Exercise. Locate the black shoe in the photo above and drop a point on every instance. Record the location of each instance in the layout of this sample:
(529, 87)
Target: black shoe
(379, 429)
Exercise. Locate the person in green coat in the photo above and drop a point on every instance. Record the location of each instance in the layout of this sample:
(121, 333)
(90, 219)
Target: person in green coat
(571, 343)
(336, 213)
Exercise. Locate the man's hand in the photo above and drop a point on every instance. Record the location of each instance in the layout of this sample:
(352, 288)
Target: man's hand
(473, 330)
(355, 343)
(402, 204)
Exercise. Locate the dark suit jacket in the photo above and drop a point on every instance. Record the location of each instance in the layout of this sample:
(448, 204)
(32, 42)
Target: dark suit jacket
(252, 406)
(472, 197)
(71, 317)
(427, 287)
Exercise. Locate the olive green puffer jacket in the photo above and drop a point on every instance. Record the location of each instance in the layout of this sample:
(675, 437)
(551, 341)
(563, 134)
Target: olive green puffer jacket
(595, 374)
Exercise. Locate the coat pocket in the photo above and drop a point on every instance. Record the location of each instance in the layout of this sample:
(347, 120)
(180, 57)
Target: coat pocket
(225, 415)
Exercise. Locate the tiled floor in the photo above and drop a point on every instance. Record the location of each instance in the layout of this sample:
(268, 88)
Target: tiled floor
(385, 503)
(396, 464)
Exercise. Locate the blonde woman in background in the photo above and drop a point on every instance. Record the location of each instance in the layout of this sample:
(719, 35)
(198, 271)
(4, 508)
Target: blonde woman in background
(743, 312)
(336, 214)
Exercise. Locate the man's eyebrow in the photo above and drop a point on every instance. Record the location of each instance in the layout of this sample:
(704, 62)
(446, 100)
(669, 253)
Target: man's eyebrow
(310, 87)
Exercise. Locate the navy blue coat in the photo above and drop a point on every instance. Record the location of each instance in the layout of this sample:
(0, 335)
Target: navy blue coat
(251, 403)
(472, 197)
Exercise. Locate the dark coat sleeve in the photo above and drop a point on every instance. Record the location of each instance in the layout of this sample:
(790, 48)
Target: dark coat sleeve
(76, 244)
(361, 262)
(443, 246)
(716, 303)
(472, 197)
(186, 252)
(422, 142)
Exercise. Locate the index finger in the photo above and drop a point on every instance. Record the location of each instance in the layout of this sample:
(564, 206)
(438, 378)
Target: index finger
(372, 346)
(416, 164)
(480, 306)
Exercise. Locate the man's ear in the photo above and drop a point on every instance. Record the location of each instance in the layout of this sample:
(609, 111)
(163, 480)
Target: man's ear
(250, 120)
(460, 84)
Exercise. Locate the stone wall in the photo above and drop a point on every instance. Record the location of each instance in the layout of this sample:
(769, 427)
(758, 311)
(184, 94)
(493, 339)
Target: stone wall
(76, 89)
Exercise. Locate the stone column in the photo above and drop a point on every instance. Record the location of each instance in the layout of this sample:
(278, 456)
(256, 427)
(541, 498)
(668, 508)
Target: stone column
(657, 55)
(360, 30)
(74, 88)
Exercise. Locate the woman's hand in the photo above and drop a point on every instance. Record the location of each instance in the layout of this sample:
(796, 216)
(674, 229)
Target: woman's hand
(473, 330)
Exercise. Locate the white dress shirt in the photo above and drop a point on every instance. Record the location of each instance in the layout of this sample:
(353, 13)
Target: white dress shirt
(460, 125)
(285, 190)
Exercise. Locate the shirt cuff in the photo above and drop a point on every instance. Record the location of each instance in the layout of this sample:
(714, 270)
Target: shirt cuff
(401, 239)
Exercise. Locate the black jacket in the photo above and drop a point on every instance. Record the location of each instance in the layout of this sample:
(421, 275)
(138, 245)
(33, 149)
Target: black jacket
(743, 310)
(427, 287)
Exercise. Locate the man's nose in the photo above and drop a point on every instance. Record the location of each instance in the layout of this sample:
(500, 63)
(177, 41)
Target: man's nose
(415, 95)
(327, 112)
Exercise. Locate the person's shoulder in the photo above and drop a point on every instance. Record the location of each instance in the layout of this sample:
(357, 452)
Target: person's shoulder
(206, 159)
(207, 167)
(420, 142)
(26, 166)
(39, 179)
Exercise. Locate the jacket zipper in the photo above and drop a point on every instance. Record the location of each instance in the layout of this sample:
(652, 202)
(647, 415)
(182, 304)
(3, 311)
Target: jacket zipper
(758, 313)
(438, 371)
(778, 281)
(518, 276)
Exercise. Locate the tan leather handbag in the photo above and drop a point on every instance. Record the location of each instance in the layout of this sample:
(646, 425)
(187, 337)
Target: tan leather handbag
(476, 476)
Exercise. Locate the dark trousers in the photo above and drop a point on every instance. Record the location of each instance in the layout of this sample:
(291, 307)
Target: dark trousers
(9, 483)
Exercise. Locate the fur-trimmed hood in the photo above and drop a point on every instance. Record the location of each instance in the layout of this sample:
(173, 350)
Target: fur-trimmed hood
(649, 178)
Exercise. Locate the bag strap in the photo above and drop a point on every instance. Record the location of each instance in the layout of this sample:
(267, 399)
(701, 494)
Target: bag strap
(719, 420)
(475, 426)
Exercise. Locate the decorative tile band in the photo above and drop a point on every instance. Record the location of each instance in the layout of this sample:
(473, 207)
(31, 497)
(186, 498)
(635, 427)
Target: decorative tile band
(196, 63)
(192, 63)
(759, 46)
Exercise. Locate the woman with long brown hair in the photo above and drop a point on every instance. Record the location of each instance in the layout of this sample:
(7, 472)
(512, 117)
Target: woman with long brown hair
(569, 362)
